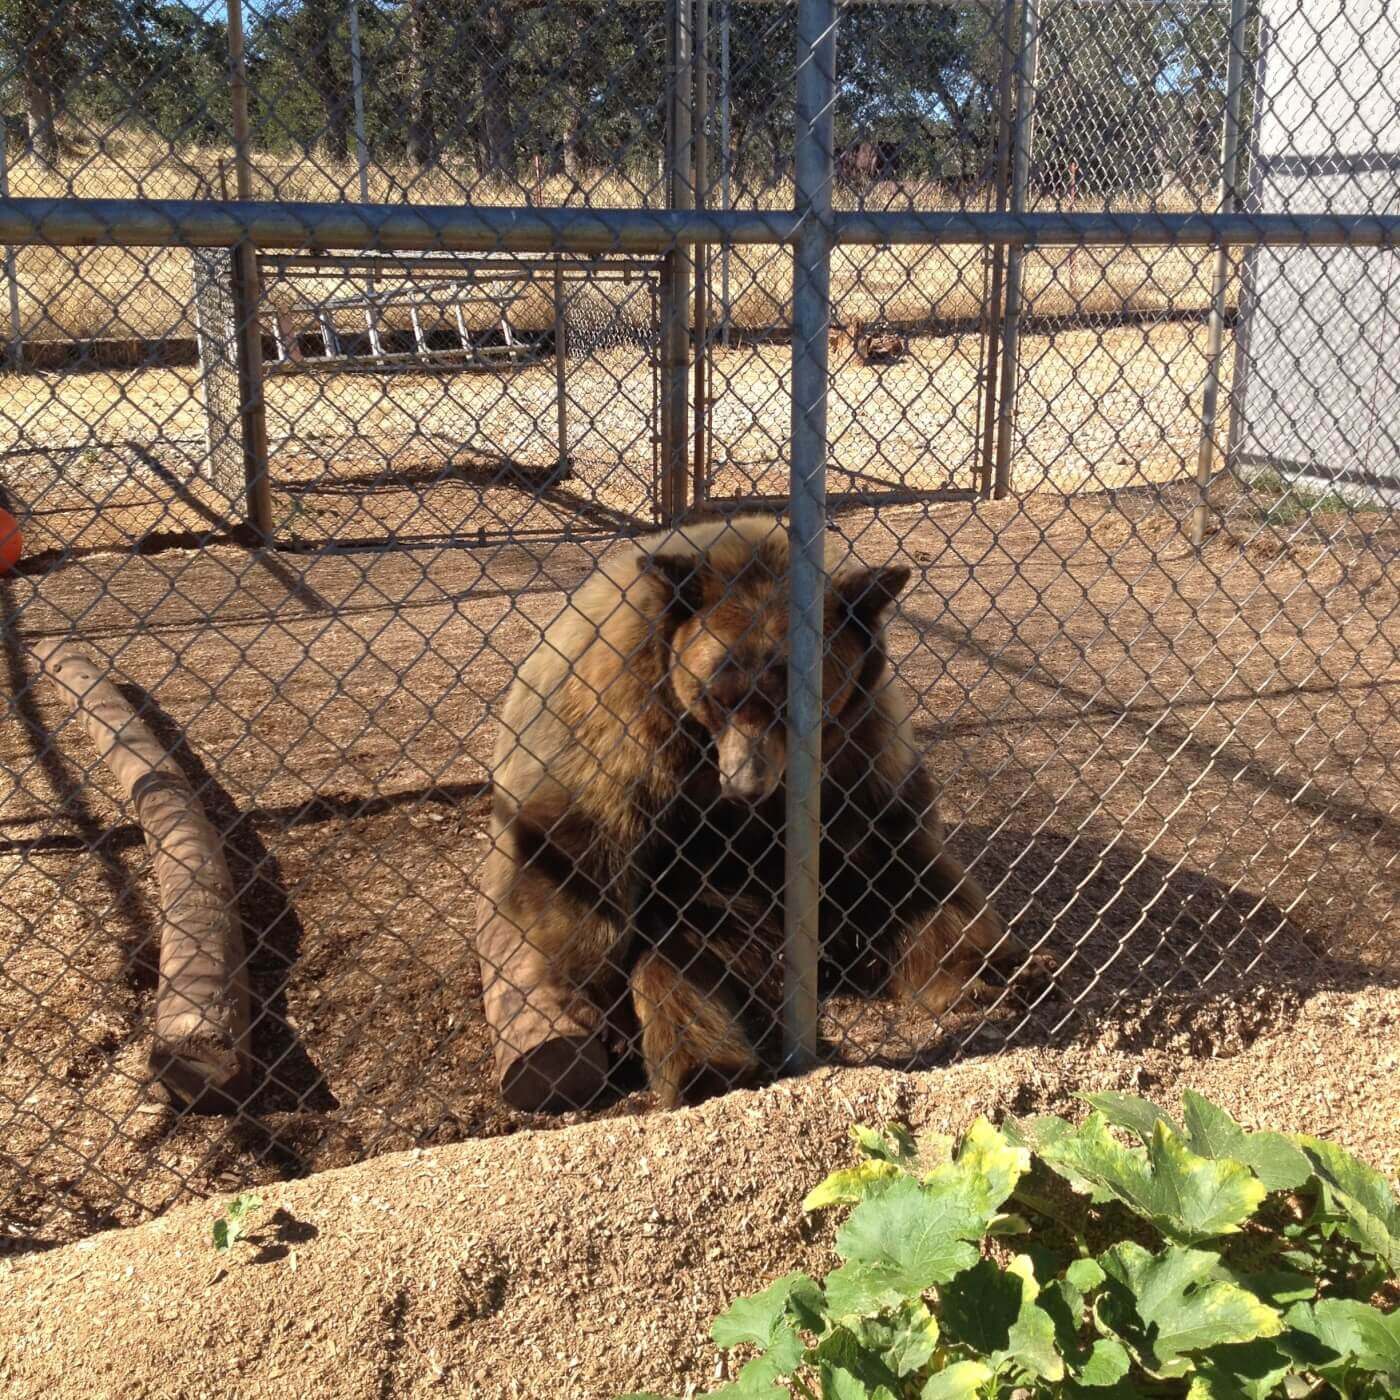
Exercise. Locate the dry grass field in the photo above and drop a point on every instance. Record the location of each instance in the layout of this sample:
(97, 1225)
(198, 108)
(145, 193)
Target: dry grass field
(111, 293)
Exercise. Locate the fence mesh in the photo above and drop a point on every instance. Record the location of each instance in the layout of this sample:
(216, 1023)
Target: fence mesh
(670, 540)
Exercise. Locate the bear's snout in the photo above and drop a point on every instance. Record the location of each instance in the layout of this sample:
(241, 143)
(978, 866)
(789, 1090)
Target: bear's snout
(750, 760)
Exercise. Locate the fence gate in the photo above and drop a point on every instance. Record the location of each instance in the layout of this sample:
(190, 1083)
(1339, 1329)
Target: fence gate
(437, 396)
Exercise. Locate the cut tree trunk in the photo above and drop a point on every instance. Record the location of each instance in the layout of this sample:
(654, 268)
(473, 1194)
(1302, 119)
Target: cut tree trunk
(200, 1049)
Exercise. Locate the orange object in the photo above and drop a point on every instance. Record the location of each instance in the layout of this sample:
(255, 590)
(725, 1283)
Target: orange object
(11, 544)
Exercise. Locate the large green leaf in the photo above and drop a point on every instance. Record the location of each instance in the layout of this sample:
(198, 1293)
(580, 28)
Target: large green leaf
(764, 1320)
(1188, 1198)
(1212, 1132)
(1355, 1332)
(1167, 1306)
(757, 1318)
(912, 1235)
(845, 1357)
(851, 1185)
(1373, 1212)
(904, 1340)
(1139, 1116)
(986, 1169)
(1107, 1363)
(1249, 1370)
(995, 1313)
(960, 1381)
(900, 1243)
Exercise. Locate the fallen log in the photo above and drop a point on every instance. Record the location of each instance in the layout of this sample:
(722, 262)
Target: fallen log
(200, 1047)
(547, 1043)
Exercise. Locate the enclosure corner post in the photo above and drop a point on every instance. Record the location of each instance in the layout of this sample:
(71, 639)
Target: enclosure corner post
(811, 291)
(1229, 204)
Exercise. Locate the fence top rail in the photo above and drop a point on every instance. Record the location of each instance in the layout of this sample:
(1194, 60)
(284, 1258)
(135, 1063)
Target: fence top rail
(480, 228)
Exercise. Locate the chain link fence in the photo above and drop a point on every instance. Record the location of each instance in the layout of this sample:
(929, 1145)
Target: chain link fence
(578, 555)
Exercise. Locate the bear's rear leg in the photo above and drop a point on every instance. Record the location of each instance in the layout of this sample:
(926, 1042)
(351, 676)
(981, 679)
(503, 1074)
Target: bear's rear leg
(943, 958)
(689, 1022)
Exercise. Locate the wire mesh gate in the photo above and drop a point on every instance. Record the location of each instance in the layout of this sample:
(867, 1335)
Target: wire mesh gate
(1165, 766)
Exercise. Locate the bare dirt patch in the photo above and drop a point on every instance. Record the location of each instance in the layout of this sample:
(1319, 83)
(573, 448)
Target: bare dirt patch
(1176, 772)
(592, 1261)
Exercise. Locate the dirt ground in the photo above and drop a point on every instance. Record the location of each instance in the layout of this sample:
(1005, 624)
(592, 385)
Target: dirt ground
(1175, 771)
(105, 459)
(592, 1261)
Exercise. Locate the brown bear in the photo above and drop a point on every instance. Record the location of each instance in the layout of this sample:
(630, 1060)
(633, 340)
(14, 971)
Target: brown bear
(638, 813)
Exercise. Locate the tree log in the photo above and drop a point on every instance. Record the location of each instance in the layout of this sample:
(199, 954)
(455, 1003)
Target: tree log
(549, 1053)
(200, 1047)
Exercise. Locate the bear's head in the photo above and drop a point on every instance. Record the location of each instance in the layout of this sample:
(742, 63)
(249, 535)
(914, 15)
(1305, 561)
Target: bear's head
(726, 627)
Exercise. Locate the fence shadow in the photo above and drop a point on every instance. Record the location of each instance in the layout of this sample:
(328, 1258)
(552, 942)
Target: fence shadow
(1133, 950)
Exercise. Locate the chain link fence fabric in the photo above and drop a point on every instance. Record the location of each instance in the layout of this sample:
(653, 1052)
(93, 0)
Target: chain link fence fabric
(576, 556)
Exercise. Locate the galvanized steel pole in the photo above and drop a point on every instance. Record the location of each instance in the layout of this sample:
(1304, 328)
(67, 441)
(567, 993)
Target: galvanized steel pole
(15, 341)
(725, 194)
(811, 316)
(357, 89)
(1023, 133)
(560, 380)
(1229, 204)
(247, 296)
(675, 310)
(700, 128)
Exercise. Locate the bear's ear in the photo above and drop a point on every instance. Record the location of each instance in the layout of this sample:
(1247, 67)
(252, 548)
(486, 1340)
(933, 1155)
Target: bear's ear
(865, 596)
(681, 574)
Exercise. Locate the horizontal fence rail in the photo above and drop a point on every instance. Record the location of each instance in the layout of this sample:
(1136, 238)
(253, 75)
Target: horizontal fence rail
(475, 229)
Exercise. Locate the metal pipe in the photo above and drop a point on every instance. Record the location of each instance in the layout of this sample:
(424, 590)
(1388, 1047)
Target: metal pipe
(1249, 273)
(811, 319)
(357, 90)
(994, 307)
(14, 351)
(559, 349)
(1229, 203)
(725, 193)
(155, 223)
(247, 296)
(675, 312)
(1027, 71)
(700, 127)
(238, 100)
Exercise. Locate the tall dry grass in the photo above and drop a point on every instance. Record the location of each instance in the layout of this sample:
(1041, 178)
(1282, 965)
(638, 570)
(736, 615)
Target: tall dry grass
(74, 294)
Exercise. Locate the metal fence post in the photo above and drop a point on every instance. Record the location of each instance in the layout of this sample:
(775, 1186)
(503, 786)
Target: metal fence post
(997, 252)
(560, 348)
(246, 296)
(1229, 204)
(725, 193)
(811, 316)
(700, 132)
(357, 90)
(14, 352)
(1023, 133)
(675, 309)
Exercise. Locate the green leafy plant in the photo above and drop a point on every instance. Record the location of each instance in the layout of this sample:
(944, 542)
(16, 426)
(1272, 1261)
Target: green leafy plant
(232, 1225)
(1129, 1255)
